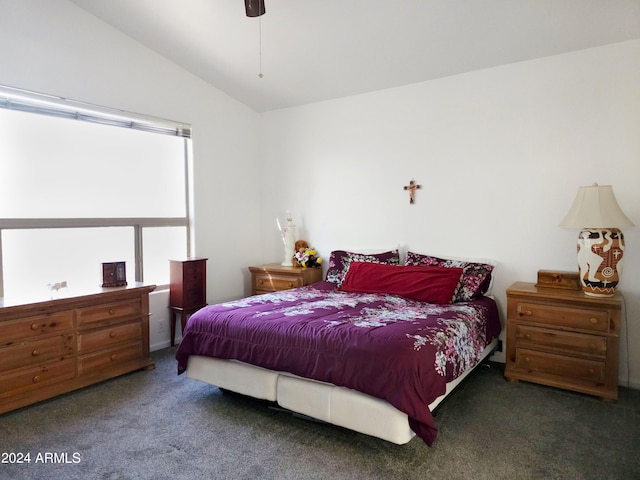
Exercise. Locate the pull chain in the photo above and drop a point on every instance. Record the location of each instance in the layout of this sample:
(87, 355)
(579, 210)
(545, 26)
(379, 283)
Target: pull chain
(260, 44)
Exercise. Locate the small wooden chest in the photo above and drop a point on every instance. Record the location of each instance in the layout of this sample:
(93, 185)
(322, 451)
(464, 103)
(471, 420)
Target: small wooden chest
(554, 279)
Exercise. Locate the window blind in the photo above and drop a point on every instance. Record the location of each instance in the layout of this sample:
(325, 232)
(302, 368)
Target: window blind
(31, 102)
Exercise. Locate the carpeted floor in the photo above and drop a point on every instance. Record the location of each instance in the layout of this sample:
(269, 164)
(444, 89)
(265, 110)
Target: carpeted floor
(158, 425)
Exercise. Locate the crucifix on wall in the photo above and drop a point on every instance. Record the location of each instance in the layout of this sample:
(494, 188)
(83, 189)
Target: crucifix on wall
(412, 187)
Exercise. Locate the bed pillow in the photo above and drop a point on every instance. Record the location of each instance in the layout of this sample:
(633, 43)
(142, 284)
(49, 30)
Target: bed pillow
(476, 276)
(425, 284)
(340, 260)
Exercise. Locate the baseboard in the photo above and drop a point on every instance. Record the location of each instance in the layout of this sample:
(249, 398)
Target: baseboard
(163, 344)
(629, 383)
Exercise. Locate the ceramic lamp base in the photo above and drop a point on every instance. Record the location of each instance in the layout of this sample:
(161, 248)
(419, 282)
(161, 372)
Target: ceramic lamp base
(600, 252)
(289, 237)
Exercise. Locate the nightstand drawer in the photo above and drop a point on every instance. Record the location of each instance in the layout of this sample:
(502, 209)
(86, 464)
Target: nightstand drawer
(584, 319)
(36, 352)
(559, 365)
(273, 281)
(273, 277)
(89, 342)
(561, 341)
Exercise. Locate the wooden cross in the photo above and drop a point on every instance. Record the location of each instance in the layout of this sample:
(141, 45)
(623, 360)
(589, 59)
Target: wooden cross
(412, 187)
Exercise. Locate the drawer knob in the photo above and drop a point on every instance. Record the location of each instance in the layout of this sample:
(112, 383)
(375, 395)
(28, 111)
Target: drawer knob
(527, 336)
(527, 359)
(36, 379)
(35, 353)
(593, 320)
(113, 356)
(34, 326)
(111, 311)
(291, 284)
(524, 313)
(592, 372)
(112, 334)
(260, 282)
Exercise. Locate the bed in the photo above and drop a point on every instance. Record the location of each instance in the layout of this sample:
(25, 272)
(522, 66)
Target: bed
(373, 348)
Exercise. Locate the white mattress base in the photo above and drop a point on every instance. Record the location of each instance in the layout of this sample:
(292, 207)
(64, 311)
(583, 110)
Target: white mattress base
(323, 401)
(236, 376)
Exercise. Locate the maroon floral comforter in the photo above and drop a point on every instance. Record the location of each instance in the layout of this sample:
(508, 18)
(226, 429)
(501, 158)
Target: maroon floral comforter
(399, 350)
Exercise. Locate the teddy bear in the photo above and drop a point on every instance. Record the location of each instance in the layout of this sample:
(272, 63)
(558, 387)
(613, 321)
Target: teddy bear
(306, 256)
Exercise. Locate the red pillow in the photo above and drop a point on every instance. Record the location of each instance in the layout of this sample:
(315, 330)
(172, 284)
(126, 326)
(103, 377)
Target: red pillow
(426, 284)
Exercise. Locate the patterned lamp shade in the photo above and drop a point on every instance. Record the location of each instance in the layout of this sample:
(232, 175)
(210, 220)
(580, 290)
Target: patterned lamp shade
(600, 243)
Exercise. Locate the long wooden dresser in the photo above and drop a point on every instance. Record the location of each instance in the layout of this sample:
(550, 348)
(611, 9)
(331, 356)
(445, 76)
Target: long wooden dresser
(53, 346)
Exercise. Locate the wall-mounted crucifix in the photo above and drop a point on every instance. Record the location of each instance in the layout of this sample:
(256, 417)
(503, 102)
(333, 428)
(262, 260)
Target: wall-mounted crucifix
(412, 187)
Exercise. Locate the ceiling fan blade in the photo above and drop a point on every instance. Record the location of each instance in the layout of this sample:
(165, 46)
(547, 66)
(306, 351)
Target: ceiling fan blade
(254, 8)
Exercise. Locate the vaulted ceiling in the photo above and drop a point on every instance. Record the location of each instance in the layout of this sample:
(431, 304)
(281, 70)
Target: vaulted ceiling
(314, 50)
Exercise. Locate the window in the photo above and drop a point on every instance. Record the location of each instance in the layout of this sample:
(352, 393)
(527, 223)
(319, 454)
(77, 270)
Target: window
(81, 185)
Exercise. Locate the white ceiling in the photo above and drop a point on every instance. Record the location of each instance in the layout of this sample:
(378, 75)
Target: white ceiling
(314, 50)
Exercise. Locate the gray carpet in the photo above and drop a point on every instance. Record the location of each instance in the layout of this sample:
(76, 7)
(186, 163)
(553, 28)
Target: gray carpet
(157, 425)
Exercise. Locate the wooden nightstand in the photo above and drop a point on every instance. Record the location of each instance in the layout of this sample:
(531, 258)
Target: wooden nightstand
(563, 338)
(274, 277)
(187, 290)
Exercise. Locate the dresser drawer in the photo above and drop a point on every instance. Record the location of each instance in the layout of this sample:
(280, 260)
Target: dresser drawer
(103, 338)
(194, 294)
(561, 341)
(34, 377)
(57, 322)
(108, 313)
(579, 318)
(575, 369)
(102, 360)
(273, 281)
(36, 352)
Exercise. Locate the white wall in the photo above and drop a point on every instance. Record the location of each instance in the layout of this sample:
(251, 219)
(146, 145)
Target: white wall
(54, 47)
(499, 153)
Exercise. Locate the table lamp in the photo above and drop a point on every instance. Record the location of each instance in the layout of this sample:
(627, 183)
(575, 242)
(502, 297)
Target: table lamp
(600, 242)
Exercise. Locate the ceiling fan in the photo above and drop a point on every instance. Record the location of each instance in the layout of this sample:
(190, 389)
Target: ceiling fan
(254, 8)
